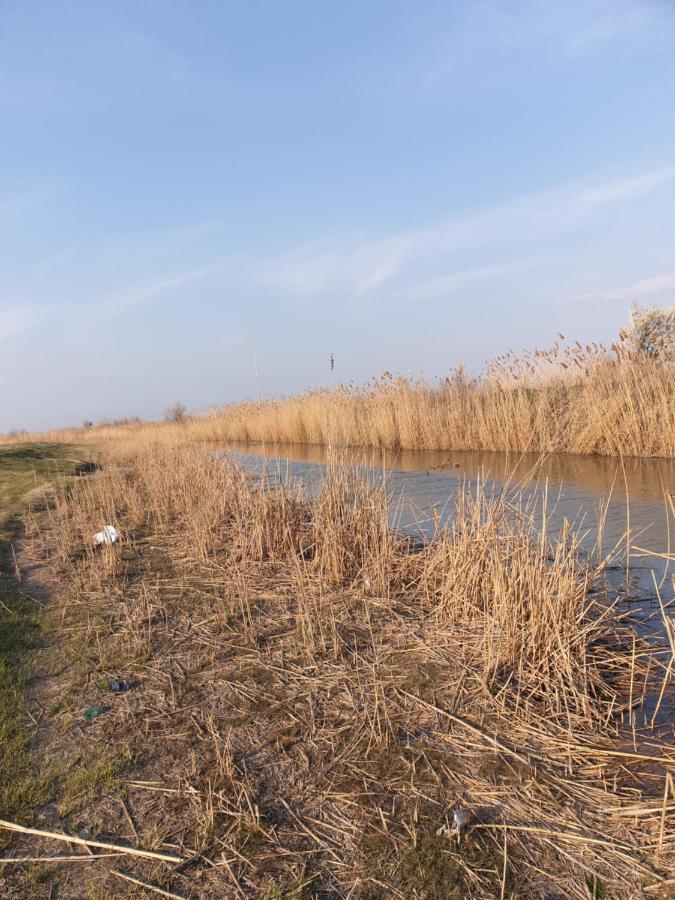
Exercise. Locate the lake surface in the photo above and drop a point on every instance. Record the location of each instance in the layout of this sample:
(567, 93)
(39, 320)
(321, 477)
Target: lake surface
(629, 498)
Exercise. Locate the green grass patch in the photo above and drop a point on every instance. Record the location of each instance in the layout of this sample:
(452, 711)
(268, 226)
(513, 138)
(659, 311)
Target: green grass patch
(22, 786)
(25, 784)
(85, 784)
(436, 869)
(26, 466)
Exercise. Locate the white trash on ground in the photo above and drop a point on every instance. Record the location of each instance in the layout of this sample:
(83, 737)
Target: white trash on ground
(107, 536)
(460, 818)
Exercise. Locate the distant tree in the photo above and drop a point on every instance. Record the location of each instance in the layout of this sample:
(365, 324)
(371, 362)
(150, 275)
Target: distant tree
(176, 413)
(652, 331)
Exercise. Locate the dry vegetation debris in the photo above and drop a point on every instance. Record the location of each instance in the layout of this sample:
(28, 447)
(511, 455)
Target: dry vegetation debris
(314, 695)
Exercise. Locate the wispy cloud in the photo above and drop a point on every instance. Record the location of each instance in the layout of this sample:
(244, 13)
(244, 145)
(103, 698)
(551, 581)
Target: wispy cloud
(626, 189)
(392, 256)
(16, 202)
(574, 25)
(602, 21)
(151, 290)
(638, 290)
(445, 285)
(174, 67)
(15, 321)
(568, 29)
(364, 266)
(352, 264)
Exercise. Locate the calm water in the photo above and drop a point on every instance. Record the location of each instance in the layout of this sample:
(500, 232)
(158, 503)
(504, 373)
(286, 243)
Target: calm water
(582, 489)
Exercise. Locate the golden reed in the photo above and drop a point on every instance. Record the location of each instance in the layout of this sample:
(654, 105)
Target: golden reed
(571, 399)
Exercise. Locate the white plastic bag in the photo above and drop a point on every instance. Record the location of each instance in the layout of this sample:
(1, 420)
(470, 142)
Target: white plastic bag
(107, 536)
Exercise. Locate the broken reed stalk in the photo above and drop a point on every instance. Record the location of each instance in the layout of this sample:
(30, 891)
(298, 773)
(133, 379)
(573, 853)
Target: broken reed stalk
(55, 859)
(623, 849)
(148, 886)
(87, 842)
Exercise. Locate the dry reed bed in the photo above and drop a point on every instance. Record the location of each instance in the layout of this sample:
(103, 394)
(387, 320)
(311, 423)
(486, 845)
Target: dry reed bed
(315, 695)
(605, 405)
(564, 399)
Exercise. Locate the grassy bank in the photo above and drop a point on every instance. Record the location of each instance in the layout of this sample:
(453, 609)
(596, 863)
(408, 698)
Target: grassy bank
(312, 697)
(565, 399)
(26, 782)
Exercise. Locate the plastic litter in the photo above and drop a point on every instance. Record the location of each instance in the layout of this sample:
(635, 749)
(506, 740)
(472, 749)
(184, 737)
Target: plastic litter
(95, 711)
(119, 686)
(460, 818)
(108, 535)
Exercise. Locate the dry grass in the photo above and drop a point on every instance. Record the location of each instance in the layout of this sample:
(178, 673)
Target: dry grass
(563, 399)
(314, 693)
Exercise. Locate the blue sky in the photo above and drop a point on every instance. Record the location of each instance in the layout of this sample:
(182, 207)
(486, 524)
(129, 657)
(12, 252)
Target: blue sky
(408, 186)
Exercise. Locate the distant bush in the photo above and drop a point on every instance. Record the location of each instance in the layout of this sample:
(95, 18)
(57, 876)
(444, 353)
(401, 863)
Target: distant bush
(652, 331)
(176, 413)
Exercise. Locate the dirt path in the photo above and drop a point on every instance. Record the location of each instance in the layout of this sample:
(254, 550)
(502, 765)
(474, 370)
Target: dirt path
(33, 676)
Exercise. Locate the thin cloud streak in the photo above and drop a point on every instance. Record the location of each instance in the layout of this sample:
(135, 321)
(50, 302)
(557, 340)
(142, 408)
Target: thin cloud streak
(17, 203)
(569, 29)
(445, 285)
(15, 321)
(362, 267)
(141, 293)
(626, 188)
(646, 287)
